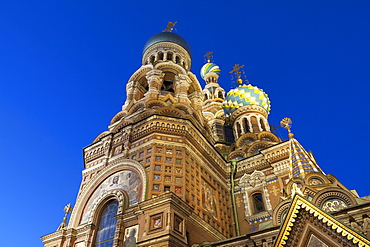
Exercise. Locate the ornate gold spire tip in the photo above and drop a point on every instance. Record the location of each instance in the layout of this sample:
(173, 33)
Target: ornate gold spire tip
(237, 73)
(209, 56)
(286, 123)
(67, 210)
(170, 26)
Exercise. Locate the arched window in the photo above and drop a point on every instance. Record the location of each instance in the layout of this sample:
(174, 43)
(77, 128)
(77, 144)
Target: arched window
(107, 225)
(258, 204)
(168, 82)
(220, 95)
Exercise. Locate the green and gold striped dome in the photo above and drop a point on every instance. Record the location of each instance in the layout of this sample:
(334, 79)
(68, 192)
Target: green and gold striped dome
(209, 67)
(245, 95)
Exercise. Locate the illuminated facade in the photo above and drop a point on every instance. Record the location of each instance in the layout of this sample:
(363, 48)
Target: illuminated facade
(182, 165)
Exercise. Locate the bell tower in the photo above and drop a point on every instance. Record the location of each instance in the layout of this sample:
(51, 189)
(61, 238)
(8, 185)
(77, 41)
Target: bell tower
(154, 175)
(214, 95)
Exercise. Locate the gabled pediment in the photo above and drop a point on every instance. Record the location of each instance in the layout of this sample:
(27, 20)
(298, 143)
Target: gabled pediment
(306, 225)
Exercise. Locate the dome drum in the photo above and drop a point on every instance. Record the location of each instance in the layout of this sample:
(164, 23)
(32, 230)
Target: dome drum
(211, 77)
(166, 52)
(167, 46)
(248, 109)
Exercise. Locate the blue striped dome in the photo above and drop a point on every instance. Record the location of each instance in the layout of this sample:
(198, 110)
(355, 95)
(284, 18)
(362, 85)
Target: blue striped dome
(167, 37)
(245, 95)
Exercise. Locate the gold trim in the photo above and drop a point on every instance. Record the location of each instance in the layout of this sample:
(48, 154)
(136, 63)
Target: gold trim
(301, 203)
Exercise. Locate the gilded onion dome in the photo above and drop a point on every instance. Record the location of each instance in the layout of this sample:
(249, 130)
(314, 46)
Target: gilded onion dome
(209, 67)
(245, 95)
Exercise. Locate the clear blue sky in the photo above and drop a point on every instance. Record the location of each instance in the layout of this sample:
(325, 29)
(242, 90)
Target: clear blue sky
(64, 66)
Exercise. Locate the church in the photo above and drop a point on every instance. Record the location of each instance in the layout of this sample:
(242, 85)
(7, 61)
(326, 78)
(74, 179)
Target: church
(181, 165)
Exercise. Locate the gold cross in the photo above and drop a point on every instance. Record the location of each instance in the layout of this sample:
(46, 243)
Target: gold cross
(286, 123)
(208, 56)
(170, 26)
(275, 190)
(236, 71)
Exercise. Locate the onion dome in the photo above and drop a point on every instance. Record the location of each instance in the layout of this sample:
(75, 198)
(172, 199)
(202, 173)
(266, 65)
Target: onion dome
(245, 95)
(167, 37)
(209, 67)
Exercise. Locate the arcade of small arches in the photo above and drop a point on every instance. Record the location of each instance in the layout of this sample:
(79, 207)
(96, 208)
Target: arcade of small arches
(212, 93)
(163, 56)
(251, 123)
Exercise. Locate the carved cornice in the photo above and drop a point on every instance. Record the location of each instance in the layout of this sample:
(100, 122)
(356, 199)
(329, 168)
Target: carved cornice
(164, 47)
(140, 73)
(248, 108)
(58, 235)
(296, 219)
(177, 69)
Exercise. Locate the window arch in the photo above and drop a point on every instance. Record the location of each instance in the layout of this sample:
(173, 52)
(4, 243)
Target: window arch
(220, 95)
(107, 225)
(168, 82)
(258, 204)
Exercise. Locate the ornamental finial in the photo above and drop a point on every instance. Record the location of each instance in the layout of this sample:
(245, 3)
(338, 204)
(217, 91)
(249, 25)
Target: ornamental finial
(209, 56)
(286, 123)
(236, 71)
(67, 210)
(170, 26)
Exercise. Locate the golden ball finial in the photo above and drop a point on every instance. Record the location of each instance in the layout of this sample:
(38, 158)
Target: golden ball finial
(239, 81)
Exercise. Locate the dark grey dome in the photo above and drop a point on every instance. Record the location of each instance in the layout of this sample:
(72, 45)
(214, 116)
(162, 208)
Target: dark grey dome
(167, 37)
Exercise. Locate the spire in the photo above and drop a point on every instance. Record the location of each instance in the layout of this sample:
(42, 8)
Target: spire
(170, 26)
(209, 56)
(301, 162)
(236, 71)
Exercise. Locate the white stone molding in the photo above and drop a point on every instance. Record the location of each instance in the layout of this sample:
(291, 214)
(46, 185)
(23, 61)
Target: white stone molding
(248, 109)
(165, 47)
(251, 183)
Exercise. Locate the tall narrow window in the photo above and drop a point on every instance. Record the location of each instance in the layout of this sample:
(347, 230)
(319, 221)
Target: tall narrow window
(220, 95)
(168, 82)
(107, 225)
(238, 129)
(258, 203)
(262, 125)
(254, 123)
(246, 125)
